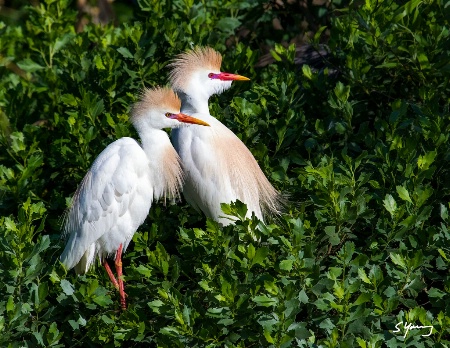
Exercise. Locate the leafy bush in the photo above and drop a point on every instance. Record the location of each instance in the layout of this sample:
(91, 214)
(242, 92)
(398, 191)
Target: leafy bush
(361, 146)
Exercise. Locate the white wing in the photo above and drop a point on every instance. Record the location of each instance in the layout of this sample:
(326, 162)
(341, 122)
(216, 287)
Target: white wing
(112, 201)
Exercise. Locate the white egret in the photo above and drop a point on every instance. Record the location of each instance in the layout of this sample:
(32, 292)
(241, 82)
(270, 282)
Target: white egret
(116, 194)
(218, 167)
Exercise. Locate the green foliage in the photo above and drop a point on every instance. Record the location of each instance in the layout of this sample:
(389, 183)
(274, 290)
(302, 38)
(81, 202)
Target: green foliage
(361, 146)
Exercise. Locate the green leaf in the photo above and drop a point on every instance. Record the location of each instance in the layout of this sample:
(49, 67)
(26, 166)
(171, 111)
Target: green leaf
(38, 336)
(74, 324)
(204, 284)
(422, 194)
(333, 235)
(334, 273)
(102, 300)
(268, 336)
(362, 298)
(10, 224)
(228, 24)
(17, 142)
(319, 33)
(390, 204)
(260, 256)
(423, 61)
(387, 65)
(363, 276)
(67, 287)
(10, 304)
(97, 108)
(99, 63)
(342, 92)
(433, 292)
(275, 56)
(265, 301)
(303, 297)
(60, 42)
(169, 331)
(187, 315)
(69, 99)
(251, 252)
(125, 52)
(403, 193)
(165, 267)
(424, 162)
(443, 212)
(146, 272)
(307, 71)
(107, 320)
(29, 66)
(398, 260)
(286, 265)
(327, 324)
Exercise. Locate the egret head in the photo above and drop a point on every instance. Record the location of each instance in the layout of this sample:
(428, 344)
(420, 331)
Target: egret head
(159, 108)
(197, 73)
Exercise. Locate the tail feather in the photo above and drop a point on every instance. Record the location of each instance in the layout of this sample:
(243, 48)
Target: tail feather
(78, 256)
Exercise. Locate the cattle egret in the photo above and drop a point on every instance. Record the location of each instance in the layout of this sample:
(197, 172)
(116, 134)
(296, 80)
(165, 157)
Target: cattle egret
(217, 165)
(115, 196)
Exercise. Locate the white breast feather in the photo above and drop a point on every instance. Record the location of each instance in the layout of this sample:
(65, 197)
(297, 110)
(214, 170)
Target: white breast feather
(219, 169)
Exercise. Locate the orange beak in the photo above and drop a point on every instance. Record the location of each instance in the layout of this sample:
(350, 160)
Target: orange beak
(187, 119)
(223, 76)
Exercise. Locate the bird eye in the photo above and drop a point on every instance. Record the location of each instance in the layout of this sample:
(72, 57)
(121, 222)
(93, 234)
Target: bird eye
(210, 75)
(168, 114)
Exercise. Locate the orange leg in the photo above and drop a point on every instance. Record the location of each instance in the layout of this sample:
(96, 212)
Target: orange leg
(118, 264)
(110, 273)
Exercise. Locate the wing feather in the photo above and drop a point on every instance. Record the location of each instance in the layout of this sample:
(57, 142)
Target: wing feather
(99, 209)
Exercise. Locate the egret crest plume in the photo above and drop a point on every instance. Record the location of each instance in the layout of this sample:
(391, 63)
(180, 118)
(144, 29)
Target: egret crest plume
(150, 98)
(186, 63)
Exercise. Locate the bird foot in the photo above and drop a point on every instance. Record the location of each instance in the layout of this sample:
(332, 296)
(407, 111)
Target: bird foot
(118, 264)
(118, 283)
